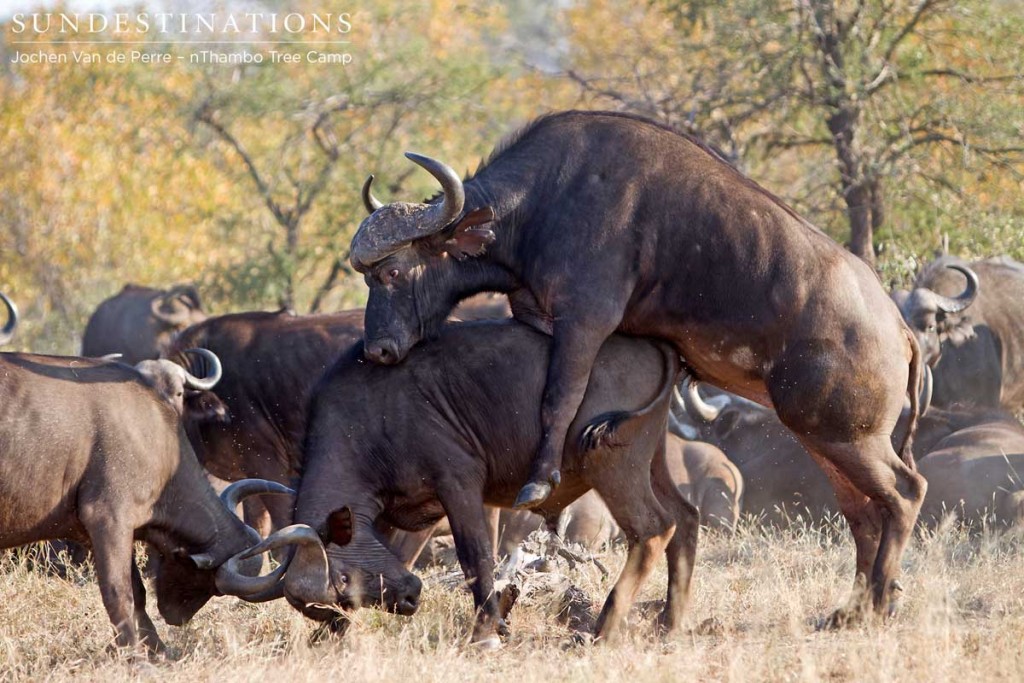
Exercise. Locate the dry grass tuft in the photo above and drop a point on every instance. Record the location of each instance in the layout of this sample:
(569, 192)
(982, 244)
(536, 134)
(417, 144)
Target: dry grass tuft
(756, 597)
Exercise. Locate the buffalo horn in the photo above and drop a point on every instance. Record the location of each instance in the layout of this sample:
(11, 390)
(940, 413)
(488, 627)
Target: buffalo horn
(213, 374)
(454, 200)
(369, 201)
(691, 400)
(7, 333)
(966, 298)
(231, 581)
(239, 490)
(306, 578)
(925, 400)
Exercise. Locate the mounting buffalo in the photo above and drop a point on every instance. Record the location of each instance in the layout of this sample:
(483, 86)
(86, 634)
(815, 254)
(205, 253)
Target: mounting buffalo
(451, 430)
(969, 321)
(127, 473)
(594, 222)
(140, 322)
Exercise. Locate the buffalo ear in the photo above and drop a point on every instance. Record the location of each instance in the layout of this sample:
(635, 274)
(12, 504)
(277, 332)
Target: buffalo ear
(206, 406)
(471, 235)
(340, 526)
(957, 328)
(197, 561)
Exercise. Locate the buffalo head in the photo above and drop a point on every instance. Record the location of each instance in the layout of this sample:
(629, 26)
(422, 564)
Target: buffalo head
(407, 254)
(935, 318)
(172, 381)
(178, 307)
(343, 566)
(187, 579)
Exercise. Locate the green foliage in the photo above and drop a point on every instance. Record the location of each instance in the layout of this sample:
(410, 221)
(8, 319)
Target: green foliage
(121, 172)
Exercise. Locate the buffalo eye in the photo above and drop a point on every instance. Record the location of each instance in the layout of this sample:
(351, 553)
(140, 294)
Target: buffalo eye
(931, 327)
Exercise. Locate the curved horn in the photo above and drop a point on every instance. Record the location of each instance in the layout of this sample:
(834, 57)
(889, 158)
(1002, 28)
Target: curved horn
(454, 193)
(693, 403)
(179, 319)
(307, 576)
(213, 375)
(239, 490)
(7, 333)
(111, 357)
(231, 581)
(966, 298)
(927, 384)
(369, 201)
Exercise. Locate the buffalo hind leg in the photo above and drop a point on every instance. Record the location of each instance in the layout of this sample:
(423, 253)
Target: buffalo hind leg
(469, 523)
(574, 348)
(896, 492)
(681, 551)
(648, 528)
(142, 621)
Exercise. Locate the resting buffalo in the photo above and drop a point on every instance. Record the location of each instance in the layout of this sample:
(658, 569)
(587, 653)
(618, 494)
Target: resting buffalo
(779, 484)
(141, 322)
(969, 321)
(699, 470)
(973, 463)
(594, 222)
(450, 431)
(93, 451)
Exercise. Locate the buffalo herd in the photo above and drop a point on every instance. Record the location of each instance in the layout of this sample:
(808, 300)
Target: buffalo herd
(666, 346)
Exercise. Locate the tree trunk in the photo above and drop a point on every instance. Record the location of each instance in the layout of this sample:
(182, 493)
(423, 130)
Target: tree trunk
(857, 192)
(858, 211)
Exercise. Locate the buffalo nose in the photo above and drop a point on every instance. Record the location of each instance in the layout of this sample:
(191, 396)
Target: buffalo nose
(384, 352)
(407, 599)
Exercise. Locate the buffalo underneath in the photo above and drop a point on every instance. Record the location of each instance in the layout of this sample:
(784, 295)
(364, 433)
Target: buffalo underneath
(452, 430)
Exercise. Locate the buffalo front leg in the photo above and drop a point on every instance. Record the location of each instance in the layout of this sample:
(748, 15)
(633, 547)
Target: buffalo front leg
(143, 623)
(112, 549)
(473, 546)
(574, 349)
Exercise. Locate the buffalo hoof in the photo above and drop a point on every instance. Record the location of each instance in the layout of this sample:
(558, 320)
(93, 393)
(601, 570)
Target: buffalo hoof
(488, 643)
(532, 495)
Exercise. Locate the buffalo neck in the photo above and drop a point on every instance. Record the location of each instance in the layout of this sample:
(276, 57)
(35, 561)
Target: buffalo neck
(189, 514)
(513, 186)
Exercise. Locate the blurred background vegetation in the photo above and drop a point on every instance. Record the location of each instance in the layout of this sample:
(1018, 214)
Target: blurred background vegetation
(891, 124)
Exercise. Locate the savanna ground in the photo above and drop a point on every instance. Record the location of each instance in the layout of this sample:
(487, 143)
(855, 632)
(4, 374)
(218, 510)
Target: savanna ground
(962, 617)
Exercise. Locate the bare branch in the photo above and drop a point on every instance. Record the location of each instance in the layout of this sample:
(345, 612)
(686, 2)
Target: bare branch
(205, 114)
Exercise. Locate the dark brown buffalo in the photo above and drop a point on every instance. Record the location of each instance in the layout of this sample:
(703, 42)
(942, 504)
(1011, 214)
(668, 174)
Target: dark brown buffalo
(594, 222)
(93, 451)
(451, 430)
(140, 322)
(969, 321)
(253, 423)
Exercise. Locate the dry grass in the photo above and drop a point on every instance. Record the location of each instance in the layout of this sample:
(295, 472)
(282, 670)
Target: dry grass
(963, 617)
